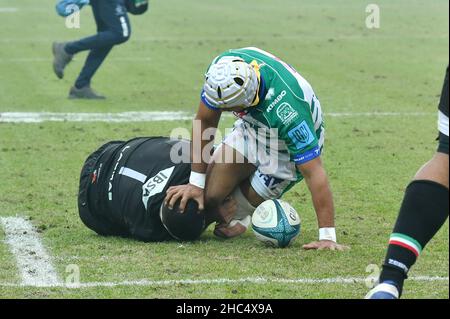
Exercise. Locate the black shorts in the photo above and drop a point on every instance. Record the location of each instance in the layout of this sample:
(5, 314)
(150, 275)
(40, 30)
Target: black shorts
(443, 143)
(92, 217)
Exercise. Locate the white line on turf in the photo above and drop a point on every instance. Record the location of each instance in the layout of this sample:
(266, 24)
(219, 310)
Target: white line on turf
(8, 10)
(38, 59)
(225, 281)
(31, 257)
(36, 117)
(365, 114)
(127, 117)
(37, 270)
(195, 39)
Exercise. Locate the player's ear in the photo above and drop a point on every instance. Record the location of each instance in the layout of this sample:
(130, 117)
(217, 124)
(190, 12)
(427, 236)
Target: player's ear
(186, 226)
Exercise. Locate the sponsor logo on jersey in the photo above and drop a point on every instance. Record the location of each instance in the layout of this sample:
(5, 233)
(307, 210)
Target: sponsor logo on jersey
(120, 10)
(271, 182)
(110, 186)
(301, 135)
(156, 184)
(286, 113)
(94, 177)
(308, 156)
(277, 99)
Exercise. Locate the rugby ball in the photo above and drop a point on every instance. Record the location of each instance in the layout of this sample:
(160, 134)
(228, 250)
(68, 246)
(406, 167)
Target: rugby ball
(276, 223)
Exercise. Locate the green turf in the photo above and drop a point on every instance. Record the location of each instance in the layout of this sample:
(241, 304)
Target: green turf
(398, 68)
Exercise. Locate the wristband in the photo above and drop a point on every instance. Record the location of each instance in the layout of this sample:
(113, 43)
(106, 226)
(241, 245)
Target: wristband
(327, 233)
(197, 179)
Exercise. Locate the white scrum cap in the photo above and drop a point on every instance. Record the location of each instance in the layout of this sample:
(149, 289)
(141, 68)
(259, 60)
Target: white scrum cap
(231, 82)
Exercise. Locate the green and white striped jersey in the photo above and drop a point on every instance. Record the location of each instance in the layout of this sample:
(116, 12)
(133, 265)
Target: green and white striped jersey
(287, 103)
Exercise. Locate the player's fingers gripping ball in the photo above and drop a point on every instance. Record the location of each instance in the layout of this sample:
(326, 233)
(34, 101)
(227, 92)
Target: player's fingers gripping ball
(276, 223)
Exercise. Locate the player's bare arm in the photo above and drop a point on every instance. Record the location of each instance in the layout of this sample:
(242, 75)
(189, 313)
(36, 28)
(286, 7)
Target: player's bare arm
(317, 180)
(223, 177)
(203, 133)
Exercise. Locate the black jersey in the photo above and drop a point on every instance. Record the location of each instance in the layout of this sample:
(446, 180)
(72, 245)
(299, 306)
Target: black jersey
(128, 182)
(443, 118)
(443, 105)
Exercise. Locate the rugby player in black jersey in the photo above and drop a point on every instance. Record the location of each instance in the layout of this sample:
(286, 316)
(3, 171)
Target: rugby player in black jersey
(123, 186)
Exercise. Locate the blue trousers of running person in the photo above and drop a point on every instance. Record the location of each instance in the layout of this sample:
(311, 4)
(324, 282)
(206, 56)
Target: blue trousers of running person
(113, 28)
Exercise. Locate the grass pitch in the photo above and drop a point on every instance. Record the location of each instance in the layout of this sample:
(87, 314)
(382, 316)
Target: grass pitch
(370, 159)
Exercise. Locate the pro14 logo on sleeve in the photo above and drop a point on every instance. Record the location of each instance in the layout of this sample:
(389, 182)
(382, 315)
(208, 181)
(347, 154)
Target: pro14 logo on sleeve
(301, 135)
(156, 184)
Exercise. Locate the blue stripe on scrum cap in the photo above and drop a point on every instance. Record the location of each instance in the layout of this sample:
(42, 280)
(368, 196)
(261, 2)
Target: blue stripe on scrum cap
(207, 103)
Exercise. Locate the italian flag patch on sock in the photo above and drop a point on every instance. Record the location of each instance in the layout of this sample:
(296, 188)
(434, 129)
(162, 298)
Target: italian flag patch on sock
(406, 242)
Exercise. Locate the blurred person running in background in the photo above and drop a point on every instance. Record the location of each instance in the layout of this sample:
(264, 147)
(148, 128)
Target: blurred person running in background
(113, 28)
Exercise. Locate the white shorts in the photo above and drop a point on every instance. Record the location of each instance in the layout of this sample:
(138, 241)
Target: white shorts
(275, 173)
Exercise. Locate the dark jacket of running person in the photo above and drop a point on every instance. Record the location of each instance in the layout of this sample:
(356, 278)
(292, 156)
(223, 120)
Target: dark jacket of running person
(113, 28)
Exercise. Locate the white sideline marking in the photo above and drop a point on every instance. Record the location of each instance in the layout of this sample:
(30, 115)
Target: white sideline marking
(233, 38)
(32, 259)
(8, 10)
(224, 281)
(38, 59)
(356, 114)
(25, 117)
(39, 117)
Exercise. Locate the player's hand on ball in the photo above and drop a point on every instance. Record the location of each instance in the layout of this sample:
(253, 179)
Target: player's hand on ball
(185, 192)
(325, 244)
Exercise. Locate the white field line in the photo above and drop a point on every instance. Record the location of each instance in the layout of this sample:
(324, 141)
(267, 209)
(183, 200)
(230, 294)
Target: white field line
(37, 270)
(8, 10)
(368, 114)
(127, 117)
(31, 257)
(48, 59)
(234, 38)
(225, 281)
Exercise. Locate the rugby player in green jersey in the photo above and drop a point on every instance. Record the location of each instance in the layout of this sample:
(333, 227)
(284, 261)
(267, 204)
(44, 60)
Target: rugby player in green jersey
(276, 142)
